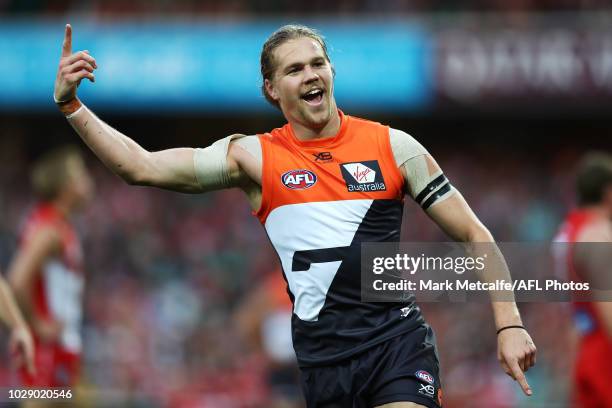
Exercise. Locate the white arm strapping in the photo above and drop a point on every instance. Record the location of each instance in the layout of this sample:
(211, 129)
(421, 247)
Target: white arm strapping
(427, 189)
(210, 163)
(252, 145)
(404, 146)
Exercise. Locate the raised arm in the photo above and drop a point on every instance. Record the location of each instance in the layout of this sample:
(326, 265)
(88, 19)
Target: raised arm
(430, 188)
(173, 169)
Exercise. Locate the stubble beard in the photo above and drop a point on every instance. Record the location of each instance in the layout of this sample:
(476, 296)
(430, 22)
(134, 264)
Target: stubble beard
(317, 120)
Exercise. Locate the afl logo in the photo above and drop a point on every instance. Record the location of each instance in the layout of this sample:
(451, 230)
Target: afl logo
(299, 179)
(425, 376)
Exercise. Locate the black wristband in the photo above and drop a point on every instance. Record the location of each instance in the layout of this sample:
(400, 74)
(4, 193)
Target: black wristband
(510, 327)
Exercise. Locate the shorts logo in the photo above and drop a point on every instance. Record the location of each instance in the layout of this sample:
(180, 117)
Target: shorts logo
(424, 376)
(363, 176)
(405, 311)
(299, 179)
(428, 390)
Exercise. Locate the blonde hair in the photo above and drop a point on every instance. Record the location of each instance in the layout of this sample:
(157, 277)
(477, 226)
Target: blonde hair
(278, 38)
(51, 171)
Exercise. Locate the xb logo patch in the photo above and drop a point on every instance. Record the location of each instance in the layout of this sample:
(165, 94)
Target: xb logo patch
(322, 156)
(427, 390)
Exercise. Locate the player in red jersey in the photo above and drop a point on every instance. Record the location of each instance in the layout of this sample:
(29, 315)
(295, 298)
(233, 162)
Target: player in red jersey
(321, 185)
(47, 271)
(21, 343)
(591, 222)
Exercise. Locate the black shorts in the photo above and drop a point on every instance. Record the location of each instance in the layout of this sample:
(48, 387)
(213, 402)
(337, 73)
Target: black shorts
(403, 368)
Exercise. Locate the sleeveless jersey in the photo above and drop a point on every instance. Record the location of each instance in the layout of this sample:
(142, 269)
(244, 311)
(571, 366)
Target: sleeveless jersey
(320, 200)
(592, 370)
(58, 286)
(585, 315)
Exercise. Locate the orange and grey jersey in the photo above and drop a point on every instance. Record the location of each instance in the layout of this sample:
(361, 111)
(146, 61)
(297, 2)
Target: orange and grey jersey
(321, 199)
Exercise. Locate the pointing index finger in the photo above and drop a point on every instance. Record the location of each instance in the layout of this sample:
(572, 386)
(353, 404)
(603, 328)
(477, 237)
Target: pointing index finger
(67, 45)
(520, 377)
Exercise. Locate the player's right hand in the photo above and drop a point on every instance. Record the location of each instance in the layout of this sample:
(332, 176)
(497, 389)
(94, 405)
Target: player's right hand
(72, 69)
(22, 347)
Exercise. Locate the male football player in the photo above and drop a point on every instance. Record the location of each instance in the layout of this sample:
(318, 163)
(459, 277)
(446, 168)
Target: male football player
(47, 274)
(588, 230)
(321, 185)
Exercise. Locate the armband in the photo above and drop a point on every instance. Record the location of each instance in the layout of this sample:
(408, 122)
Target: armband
(426, 189)
(435, 191)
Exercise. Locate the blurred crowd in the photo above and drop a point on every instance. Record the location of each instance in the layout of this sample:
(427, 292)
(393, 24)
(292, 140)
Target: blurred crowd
(168, 275)
(252, 8)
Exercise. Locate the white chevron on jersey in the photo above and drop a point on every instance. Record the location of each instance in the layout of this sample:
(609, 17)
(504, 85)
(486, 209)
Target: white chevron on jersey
(309, 226)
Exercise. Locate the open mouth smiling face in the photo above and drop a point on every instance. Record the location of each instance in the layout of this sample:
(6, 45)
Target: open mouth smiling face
(303, 84)
(314, 97)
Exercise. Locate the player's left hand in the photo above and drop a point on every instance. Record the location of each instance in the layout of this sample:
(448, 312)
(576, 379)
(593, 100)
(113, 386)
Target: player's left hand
(21, 346)
(516, 353)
